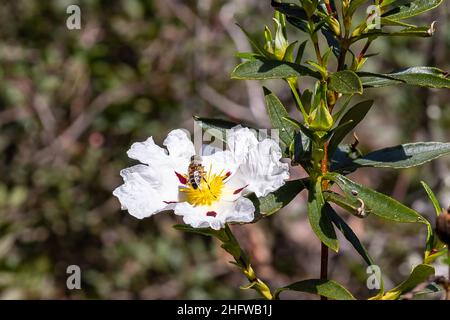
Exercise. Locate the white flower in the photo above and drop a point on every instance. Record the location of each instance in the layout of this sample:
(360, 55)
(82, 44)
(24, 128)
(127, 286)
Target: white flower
(217, 193)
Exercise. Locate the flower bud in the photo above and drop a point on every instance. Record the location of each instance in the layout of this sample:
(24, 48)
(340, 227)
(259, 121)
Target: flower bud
(277, 46)
(443, 226)
(320, 119)
(335, 26)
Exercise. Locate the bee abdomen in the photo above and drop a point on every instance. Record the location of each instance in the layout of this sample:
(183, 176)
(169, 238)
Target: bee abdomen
(193, 183)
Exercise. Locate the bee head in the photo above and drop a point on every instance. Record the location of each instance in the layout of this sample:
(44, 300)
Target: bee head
(196, 158)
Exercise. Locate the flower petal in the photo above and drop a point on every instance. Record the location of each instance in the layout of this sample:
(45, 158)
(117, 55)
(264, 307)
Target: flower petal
(242, 210)
(240, 140)
(262, 169)
(148, 152)
(220, 161)
(179, 144)
(144, 192)
(215, 216)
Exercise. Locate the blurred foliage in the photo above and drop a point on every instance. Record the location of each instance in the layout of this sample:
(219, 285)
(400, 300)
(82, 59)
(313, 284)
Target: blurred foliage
(73, 101)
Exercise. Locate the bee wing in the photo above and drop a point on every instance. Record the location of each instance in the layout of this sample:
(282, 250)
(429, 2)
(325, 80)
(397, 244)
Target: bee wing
(197, 177)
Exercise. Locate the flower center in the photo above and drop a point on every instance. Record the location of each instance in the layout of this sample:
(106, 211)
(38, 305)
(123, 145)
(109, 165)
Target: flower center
(209, 190)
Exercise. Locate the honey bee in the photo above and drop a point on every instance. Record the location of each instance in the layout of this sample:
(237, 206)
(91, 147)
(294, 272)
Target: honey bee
(196, 171)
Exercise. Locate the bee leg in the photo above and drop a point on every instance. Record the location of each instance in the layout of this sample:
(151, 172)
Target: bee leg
(206, 183)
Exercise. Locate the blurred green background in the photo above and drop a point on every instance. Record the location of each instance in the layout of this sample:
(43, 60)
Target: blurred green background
(73, 101)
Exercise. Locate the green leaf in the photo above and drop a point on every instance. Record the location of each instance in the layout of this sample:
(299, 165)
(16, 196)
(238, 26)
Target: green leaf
(399, 157)
(302, 148)
(271, 203)
(416, 76)
(356, 114)
(349, 234)
(387, 3)
(318, 217)
(432, 197)
(277, 115)
(412, 9)
(255, 43)
(389, 22)
(326, 288)
(299, 23)
(262, 68)
(289, 53)
(419, 274)
(306, 131)
(215, 127)
(345, 82)
(247, 55)
(378, 203)
(332, 42)
(354, 4)
(414, 31)
(350, 204)
(290, 9)
(300, 51)
(306, 99)
(432, 245)
(232, 248)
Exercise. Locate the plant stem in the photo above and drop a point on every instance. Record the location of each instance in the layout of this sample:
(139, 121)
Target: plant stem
(241, 259)
(318, 54)
(324, 166)
(341, 61)
(323, 265)
(447, 291)
(324, 248)
(315, 41)
(297, 99)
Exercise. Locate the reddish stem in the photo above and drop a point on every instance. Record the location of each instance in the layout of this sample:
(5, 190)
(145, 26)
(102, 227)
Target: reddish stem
(323, 265)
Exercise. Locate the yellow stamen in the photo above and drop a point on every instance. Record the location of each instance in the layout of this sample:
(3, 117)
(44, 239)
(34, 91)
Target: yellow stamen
(209, 191)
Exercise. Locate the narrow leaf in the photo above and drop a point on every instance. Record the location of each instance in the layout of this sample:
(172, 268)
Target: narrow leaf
(302, 148)
(318, 217)
(350, 204)
(271, 203)
(432, 197)
(399, 157)
(300, 52)
(423, 32)
(278, 115)
(356, 114)
(345, 82)
(419, 274)
(255, 43)
(326, 288)
(262, 68)
(412, 9)
(349, 234)
(416, 76)
(378, 203)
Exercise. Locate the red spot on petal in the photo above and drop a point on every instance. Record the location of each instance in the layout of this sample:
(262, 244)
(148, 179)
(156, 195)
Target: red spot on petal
(239, 190)
(170, 202)
(183, 179)
(211, 214)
